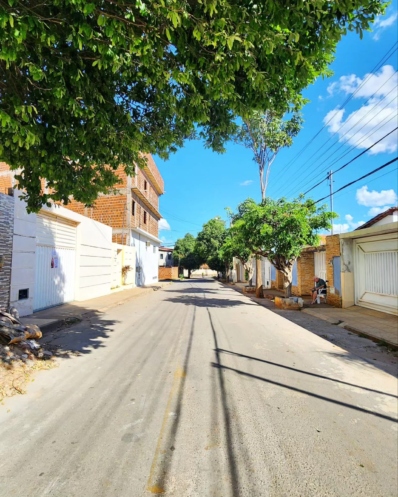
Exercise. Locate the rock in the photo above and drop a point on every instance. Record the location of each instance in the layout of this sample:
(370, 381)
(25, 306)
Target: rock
(47, 354)
(24, 357)
(291, 303)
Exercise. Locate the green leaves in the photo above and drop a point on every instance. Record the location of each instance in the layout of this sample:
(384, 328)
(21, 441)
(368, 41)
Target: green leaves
(109, 80)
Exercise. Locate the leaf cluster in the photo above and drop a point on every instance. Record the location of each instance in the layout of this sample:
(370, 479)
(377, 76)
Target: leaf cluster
(87, 85)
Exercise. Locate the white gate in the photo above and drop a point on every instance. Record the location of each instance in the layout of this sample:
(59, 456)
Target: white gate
(320, 264)
(55, 261)
(376, 273)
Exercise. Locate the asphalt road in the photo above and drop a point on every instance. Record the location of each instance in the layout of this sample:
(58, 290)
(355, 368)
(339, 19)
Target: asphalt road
(196, 391)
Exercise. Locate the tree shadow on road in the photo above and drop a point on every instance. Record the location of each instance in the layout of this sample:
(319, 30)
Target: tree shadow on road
(77, 336)
(200, 301)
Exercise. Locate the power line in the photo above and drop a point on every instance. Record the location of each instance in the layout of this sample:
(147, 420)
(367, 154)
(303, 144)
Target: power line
(387, 55)
(354, 159)
(303, 182)
(359, 179)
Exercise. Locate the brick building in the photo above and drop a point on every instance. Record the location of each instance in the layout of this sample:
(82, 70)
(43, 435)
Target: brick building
(133, 213)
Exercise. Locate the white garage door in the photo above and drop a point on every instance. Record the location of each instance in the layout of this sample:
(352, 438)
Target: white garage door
(55, 261)
(376, 273)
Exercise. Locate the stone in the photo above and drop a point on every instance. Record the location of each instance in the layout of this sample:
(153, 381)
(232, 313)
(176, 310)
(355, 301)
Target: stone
(291, 303)
(47, 354)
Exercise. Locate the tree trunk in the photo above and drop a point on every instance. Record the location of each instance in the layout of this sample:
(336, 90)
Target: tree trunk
(262, 185)
(259, 282)
(287, 281)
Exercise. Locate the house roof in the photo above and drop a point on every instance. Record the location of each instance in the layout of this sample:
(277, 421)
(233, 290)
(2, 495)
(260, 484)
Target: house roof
(166, 249)
(377, 218)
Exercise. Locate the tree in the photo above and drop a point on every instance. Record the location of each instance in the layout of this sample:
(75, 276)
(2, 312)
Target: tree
(279, 230)
(88, 85)
(235, 246)
(184, 251)
(265, 133)
(209, 243)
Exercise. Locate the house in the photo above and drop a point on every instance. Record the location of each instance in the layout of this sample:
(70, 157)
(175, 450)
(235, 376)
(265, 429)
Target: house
(369, 264)
(166, 257)
(133, 215)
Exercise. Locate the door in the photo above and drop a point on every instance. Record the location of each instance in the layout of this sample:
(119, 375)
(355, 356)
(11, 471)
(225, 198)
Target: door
(320, 264)
(376, 273)
(55, 261)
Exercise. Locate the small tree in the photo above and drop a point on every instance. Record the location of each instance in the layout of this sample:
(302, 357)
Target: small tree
(184, 253)
(279, 230)
(209, 244)
(235, 246)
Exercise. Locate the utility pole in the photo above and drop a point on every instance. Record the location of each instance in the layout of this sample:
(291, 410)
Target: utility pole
(330, 178)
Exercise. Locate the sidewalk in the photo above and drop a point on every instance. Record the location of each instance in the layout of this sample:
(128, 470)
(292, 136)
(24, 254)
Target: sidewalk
(52, 318)
(375, 325)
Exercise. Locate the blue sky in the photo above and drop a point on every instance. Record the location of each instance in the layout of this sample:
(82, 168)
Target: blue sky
(200, 184)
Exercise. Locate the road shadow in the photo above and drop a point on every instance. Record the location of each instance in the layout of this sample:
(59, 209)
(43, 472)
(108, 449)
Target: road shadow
(78, 334)
(359, 349)
(199, 301)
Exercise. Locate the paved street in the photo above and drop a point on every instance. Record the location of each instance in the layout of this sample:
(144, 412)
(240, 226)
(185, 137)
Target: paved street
(197, 391)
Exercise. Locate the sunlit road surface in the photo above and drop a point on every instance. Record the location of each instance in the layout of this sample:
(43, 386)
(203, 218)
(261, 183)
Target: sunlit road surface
(196, 391)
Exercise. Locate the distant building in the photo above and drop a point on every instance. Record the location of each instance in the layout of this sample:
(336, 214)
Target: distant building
(133, 214)
(166, 257)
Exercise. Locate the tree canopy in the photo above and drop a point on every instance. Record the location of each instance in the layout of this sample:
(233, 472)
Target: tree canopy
(184, 252)
(265, 133)
(209, 244)
(87, 85)
(279, 229)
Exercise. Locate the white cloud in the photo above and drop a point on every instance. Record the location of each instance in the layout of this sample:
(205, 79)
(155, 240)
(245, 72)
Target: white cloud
(375, 118)
(247, 182)
(374, 211)
(374, 198)
(380, 25)
(349, 225)
(164, 225)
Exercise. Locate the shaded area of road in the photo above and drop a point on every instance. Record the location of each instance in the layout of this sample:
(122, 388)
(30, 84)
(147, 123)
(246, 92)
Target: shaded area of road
(197, 391)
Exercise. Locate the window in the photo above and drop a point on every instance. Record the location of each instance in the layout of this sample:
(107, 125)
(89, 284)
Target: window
(154, 249)
(133, 207)
(145, 186)
(161, 256)
(144, 217)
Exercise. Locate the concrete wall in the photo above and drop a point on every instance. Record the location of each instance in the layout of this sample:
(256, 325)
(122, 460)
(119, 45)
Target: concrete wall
(93, 256)
(23, 257)
(6, 239)
(147, 258)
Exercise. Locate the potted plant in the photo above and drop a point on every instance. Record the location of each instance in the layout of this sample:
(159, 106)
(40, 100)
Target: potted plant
(125, 271)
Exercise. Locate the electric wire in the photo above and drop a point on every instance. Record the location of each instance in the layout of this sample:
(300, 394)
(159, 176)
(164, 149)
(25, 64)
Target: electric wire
(348, 99)
(359, 179)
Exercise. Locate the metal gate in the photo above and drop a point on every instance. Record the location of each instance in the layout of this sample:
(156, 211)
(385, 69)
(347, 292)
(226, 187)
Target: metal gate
(320, 264)
(55, 261)
(376, 273)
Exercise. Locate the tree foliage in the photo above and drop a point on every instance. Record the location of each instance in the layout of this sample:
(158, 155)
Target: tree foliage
(185, 253)
(279, 229)
(265, 133)
(87, 85)
(209, 244)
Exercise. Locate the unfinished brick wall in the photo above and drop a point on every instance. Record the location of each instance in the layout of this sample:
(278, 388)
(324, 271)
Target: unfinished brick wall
(305, 272)
(6, 236)
(6, 178)
(168, 273)
(332, 250)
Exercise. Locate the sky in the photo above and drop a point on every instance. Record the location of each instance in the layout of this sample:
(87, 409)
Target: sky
(348, 112)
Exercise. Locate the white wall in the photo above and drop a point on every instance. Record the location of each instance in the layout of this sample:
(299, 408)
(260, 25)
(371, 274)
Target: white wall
(23, 256)
(93, 256)
(147, 257)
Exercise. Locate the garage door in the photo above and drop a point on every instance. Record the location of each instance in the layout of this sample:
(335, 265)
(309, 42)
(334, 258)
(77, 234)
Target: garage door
(376, 273)
(55, 261)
